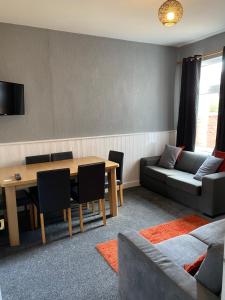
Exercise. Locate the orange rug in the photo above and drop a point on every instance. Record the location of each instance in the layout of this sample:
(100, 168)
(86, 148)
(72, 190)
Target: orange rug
(154, 234)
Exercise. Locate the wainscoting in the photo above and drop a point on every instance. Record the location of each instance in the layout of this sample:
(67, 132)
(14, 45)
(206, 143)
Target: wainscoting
(135, 146)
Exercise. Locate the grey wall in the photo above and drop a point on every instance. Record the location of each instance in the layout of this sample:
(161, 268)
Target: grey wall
(212, 44)
(78, 85)
(205, 46)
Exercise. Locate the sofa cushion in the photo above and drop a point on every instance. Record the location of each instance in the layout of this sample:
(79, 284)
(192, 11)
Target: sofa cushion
(183, 249)
(190, 162)
(161, 174)
(185, 182)
(169, 157)
(210, 166)
(210, 233)
(210, 273)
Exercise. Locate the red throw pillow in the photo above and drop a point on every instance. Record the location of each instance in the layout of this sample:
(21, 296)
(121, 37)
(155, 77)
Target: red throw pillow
(220, 154)
(180, 154)
(193, 268)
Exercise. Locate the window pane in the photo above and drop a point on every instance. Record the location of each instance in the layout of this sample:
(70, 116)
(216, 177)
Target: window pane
(208, 104)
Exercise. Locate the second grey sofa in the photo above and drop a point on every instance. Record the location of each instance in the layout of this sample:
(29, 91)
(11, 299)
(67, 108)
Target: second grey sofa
(207, 196)
(156, 272)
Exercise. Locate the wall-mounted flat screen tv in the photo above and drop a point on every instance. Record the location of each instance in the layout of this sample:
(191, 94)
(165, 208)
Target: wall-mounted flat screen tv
(11, 98)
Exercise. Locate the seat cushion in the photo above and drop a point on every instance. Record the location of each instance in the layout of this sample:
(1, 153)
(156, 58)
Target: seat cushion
(161, 174)
(185, 182)
(183, 249)
(190, 162)
(210, 233)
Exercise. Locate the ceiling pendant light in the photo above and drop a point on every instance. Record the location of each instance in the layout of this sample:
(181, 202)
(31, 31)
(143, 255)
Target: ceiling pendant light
(170, 13)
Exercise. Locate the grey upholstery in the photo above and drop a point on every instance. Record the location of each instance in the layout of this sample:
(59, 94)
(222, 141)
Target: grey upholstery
(213, 193)
(190, 162)
(146, 273)
(206, 196)
(192, 247)
(210, 233)
(186, 183)
(210, 273)
(161, 174)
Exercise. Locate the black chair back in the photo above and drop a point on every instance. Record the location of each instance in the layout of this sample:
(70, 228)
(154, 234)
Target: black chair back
(117, 157)
(36, 159)
(91, 182)
(53, 190)
(61, 155)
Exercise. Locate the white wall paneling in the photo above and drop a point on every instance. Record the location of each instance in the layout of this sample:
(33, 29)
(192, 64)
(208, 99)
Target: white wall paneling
(135, 146)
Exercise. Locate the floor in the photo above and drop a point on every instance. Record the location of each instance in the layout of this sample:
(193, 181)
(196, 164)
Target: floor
(72, 268)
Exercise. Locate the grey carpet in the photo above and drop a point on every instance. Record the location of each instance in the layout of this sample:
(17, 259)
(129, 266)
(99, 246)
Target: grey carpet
(71, 268)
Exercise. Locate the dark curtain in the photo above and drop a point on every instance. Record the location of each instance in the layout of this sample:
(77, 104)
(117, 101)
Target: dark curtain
(220, 137)
(190, 81)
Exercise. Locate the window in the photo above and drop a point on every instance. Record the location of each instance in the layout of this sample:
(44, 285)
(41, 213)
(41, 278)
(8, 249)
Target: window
(208, 104)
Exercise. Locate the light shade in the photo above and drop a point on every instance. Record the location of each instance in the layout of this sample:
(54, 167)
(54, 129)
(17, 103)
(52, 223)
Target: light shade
(170, 12)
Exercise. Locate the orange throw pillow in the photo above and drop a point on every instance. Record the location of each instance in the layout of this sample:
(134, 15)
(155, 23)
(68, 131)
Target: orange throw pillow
(193, 268)
(220, 154)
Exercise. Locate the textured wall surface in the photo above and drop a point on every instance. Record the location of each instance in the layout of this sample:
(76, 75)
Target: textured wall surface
(211, 44)
(77, 85)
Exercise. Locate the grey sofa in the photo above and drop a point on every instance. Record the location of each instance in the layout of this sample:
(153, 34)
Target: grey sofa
(156, 272)
(207, 196)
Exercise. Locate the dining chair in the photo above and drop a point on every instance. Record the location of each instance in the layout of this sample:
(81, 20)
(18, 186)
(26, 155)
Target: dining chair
(91, 187)
(61, 156)
(35, 159)
(117, 157)
(53, 195)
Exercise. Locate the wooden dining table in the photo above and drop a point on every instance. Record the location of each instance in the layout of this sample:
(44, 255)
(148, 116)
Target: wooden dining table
(29, 178)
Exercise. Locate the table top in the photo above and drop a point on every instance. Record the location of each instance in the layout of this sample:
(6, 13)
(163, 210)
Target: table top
(29, 172)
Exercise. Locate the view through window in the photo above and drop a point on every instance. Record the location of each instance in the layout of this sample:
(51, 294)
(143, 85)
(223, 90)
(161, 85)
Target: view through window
(208, 104)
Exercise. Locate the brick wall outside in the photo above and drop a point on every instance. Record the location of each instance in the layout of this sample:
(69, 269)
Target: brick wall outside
(206, 131)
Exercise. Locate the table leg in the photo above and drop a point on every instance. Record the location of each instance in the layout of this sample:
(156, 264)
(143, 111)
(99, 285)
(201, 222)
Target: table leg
(113, 193)
(12, 218)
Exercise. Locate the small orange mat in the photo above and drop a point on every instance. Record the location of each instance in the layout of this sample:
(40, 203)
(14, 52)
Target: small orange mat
(156, 234)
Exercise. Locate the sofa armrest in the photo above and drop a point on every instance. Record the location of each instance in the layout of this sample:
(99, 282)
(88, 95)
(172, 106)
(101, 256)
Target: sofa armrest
(145, 273)
(213, 193)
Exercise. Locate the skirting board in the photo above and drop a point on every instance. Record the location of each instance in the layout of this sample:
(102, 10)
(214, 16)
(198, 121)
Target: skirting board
(134, 146)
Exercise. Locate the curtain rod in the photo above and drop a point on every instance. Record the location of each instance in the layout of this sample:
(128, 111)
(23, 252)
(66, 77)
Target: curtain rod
(207, 55)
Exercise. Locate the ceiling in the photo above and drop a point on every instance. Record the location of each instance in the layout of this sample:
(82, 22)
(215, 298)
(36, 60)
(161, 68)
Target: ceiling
(134, 20)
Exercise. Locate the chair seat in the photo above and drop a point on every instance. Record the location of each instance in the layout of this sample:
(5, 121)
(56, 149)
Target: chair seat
(118, 182)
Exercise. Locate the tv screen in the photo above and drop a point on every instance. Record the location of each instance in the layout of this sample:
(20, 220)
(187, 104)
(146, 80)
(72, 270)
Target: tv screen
(11, 98)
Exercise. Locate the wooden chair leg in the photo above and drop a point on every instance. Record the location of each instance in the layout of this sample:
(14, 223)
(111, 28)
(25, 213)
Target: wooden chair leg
(35, 217)
(69, 221)
(31, 211)
(103, 211)
(81, 218)
(64, 215)
(42, 228)
(121, 194)
(93, 206)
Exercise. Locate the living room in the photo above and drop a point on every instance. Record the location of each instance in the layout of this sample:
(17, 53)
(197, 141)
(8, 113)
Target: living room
(112, 147)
